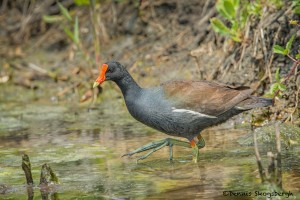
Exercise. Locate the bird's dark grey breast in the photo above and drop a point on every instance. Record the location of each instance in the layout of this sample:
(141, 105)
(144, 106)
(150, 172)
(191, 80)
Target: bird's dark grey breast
(149, 108)
(153, 109)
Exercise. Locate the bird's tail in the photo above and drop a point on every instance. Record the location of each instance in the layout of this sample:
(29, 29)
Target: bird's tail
(254, 102)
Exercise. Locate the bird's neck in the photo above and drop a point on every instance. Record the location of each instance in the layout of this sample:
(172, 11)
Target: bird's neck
(128, 85)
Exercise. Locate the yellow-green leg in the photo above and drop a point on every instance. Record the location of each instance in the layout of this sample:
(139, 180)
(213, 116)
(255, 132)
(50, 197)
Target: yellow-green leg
(195, 151)
(196, 146)
(155, 146)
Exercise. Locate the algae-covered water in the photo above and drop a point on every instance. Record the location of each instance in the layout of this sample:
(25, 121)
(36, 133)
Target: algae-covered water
(84, 147)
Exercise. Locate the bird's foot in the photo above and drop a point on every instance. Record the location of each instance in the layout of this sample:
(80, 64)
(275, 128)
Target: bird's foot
(155, 146)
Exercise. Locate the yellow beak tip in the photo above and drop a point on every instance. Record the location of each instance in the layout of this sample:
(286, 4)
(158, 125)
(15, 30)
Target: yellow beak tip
(95, 84)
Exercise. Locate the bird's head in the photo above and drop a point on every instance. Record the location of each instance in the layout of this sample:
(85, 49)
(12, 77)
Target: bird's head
(110, 71)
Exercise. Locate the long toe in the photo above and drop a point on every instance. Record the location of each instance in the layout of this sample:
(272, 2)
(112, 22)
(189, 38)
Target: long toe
(128, 154)
(153, 150)
(155, 146)
(151, 145)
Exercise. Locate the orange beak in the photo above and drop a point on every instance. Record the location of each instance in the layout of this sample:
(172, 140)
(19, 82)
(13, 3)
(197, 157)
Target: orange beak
(101, 77)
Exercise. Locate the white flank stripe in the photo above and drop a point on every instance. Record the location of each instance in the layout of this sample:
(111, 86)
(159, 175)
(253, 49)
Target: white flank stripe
(191, 112)
(240, 108)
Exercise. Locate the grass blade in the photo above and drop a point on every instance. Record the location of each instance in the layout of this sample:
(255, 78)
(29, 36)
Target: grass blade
(64, 11)
(76, 31)
(289, 44)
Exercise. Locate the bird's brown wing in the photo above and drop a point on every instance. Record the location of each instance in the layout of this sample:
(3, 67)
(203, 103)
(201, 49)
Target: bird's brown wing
(204, 97)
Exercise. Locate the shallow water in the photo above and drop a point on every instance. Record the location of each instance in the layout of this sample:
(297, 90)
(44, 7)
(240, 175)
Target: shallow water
(84, 147)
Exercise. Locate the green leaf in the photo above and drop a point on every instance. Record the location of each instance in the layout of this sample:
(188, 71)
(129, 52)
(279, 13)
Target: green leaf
(76, 31)
(69, 33)
(277, 3)
(297, 10)
(82, 2)
(289, 44)
(281, 87)
(279, 49)
(244, 16)
(298, 56)
(64, 11)
(236, 4)
(277, 75)
(254, 8)
(220, 8)
(234, 27)
(229, 9)
(52, 18)
(236, 38)
(274, 88)
(219, 26)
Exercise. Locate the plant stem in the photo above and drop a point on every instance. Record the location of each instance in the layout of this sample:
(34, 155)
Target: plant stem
(295, 65)
(293, 59)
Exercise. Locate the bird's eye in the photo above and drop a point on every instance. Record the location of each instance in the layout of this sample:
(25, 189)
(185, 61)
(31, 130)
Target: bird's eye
(110, 70)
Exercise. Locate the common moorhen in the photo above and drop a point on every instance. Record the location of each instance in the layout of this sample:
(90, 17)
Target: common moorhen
(179, 108)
